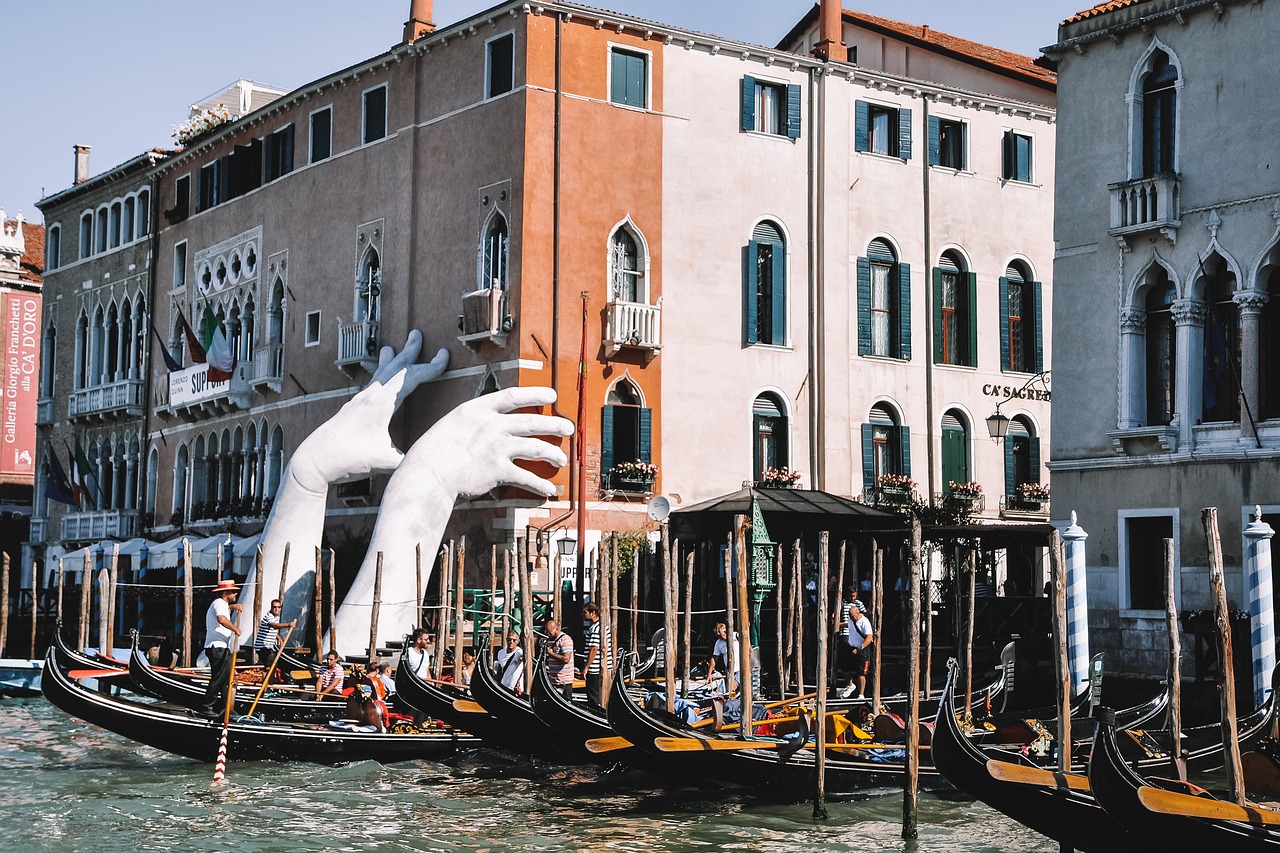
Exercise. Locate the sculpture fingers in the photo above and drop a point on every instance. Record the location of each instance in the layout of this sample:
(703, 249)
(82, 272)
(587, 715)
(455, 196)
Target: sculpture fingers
(525, 424)
(397, 362)
(536, 450)
(527, 480)
(510, 399)
(419, 373)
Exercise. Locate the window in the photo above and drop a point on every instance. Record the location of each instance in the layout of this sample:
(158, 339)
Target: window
(769, 430)
(626, 268)
(1017, 157)
(113, 226)
(86, 235)
(208, 191)
(1159, 106)
(1021, 338)
(771, 108)
(313, 329)
(374, 121)
(493, 260)
(279, 159)
(766, 291)
(628, 78)
(321, 134)
(500, 61)
(130, 217)
(1021, 455)
(886, 446)
(884, 303)
(1143, 549)
(881, 129)
(1221, 393)
(48, 354)
(144, 213)
(955, 293)
(955, 450)
(180, 265)
(947, 138)
(53, 248)
(1161, 351)
(1269, 351)
(100, 230)
(181, 198)
(369, 288)
(626, 428)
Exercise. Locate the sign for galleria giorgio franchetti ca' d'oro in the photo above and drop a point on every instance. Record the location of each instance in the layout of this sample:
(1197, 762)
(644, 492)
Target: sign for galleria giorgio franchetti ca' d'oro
(21, 324)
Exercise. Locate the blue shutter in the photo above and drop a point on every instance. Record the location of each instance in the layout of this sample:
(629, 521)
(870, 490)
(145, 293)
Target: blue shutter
(935, 144)
(905, 441)
(288, 150)
(904, 134)
(1010, 467)
(864, 306)
(618, 78)
(749, 298)
(1007, 167)
(1004, 324)
(1033, 457)
(748, 103)
(793, 111)
(861, 134)
(779, 306)
(1023, 144)
(868, 456)
(904, 312)
(971, 317)
(939, 357)
(606, 440)
(644, 451)
(1039, 365)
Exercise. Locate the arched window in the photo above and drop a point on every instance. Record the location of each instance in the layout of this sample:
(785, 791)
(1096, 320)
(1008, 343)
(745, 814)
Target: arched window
(97, 349)
(248, 331)
(113, 225)
(101, 230)
(770, 434)
(1221, 391)
(129, 220)
(83, 343)
(369, 288)
(48, 354)
(153, 472)
(275, 313)
(199, 479)
(144, 213)
(493, 254)
(86, 235)
(1021, 455)
(111, 364)
(884, 303)
(886, 446)
(140, 326)
(489, 385)
(53, 248)
(1269, 351)
(626, 268)
(182, 461)
(1161, 351)
(626, 430)
(955, 450)
(955, 293)
(766, 286)
(1021, 333)
(1159, 108)
(275, 461)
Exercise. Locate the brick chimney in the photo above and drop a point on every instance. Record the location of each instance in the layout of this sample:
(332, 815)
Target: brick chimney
(82, 163)
(419, 23)
(831, 32)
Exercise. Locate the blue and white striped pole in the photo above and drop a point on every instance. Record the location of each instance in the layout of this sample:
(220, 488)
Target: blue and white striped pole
(1077, 606)
(1257, 582)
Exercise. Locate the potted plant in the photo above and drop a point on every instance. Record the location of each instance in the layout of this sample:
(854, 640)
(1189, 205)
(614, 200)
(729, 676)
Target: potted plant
(895, 488)
(1031, 496)
(633, 476)
(201, 124)
(779, 478)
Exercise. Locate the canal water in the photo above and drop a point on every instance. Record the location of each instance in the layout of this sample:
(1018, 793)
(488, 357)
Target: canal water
(69, 786)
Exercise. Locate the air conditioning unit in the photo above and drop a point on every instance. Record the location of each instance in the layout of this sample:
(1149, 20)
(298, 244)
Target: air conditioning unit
(482, 311)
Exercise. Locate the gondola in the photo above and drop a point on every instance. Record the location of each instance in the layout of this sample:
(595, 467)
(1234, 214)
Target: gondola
(531, 735)
(436, 701)
(174, 730)
(72, 659)
(1166, 814)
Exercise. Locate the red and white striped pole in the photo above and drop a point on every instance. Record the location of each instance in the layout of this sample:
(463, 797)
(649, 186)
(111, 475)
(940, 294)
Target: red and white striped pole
(220, 766)
(233, 648)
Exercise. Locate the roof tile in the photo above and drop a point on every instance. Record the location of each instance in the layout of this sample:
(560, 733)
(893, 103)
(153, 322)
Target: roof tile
(1101, 9)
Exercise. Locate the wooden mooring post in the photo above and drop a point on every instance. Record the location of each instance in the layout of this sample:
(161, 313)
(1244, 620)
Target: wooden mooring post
(35, 604)
(911, 781)
(4, 602)
(782, 652)
(1178, 763)
(744, 617)
(442, 622)
(970, 575)
(188, 600)
(526, 611)
(459, 587)
(1226, 663)
(686, 643)
(374, 612)
(877, 619)
(1062, 660)
(317, 601)
(333, 601)
(820, 794)
(731, 680)
(670, 579)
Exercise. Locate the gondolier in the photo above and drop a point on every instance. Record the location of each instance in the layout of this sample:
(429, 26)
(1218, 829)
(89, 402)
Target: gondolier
(218, 632)
(265, 641)
(859, 638)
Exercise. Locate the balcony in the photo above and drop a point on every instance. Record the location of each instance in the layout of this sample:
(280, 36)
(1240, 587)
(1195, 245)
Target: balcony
(1021, 508)
(39, 530)
(632, 325)
(960, 504)
(484, 317)
(192, 393)
(100, 524)
(105, 402)
(268, 367)
(1145, 205)
(44, 411)
(358, 345)
(889, 497)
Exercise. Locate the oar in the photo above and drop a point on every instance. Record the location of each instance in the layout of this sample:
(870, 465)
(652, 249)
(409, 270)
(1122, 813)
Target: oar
(96, 673)
(702, 724)
(266, 679)
(233, 649)
(1020, 774)
(607, 744)
(1174, 803)
(691, 744)
(467, 706)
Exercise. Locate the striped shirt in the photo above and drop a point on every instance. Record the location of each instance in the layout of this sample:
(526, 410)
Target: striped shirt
(331, 678)
(561, 673)
(267, 633)
(593, 642)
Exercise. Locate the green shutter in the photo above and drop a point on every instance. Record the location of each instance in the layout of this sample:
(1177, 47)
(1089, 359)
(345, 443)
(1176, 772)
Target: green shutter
(935, 144)
(757, 464)
(1004, 324)
(939, 357)
(1033, 458)
(868, 456)
(606, 440)
(618, 78)
(288, 150)
(1023, 144)
(864, 306)
(749, 297)
(904, 312)
(779, 306)
(971, 317)
(644, 451)
(793, 111)
(904, 440)
(904, 134)
(1007, 169)
(636, 82)
(1039, 365)
(861, 131)
(748, 103)
(1010, 467)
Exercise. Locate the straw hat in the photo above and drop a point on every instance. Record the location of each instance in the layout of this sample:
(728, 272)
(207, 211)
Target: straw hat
(225, 585)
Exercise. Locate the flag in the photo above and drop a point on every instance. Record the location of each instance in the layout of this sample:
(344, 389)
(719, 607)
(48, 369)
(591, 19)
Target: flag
(57, 486)
(169, 361)
(220, 357)
(82, 475)
(193, 343)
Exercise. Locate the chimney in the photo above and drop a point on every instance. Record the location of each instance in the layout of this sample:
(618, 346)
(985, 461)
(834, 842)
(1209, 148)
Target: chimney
(831, 32)
(82, 163)
(419, 23)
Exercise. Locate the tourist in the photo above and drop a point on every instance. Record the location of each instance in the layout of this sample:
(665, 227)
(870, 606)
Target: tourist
(859, 639)
(331, 677)
(218, 633)
(591, 669)
(419, 654)
(849, 602)
(560, 658)
(510, 669)
(468, 668)
(381, 673)
(265, 641)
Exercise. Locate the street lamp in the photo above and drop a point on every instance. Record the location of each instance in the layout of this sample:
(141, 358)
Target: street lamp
(998, 424)
(567, 546)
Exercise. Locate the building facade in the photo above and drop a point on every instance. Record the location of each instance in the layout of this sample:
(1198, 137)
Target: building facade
(1166, 229)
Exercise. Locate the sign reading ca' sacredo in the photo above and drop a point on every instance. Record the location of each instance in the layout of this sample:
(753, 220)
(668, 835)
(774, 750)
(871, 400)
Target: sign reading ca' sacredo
(21, 318)
(1008, 392)
(192, 385)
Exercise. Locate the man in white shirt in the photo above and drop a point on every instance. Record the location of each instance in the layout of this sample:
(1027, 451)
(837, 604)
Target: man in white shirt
(218, 632)
(418, 655)
(510, 668)
(860, 638)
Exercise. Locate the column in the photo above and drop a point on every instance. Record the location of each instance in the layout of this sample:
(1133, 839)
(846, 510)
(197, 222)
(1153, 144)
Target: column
(1257, 583)
(1188, 317)
(1249, 304)
(1077, 605)
(1133, 386)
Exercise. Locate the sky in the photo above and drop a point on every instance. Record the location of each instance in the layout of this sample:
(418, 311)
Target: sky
(118, 75)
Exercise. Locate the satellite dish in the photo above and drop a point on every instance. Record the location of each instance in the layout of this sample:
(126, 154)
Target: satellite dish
(659, 508)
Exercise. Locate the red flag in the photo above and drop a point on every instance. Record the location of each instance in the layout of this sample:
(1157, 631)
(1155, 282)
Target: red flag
(193, 342)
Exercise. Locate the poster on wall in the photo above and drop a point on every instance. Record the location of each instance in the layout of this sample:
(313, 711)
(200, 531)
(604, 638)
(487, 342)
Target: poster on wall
(21, 323)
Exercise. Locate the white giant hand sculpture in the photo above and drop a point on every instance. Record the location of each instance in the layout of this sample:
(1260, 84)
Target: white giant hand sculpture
(354, 443)
(469, 451)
